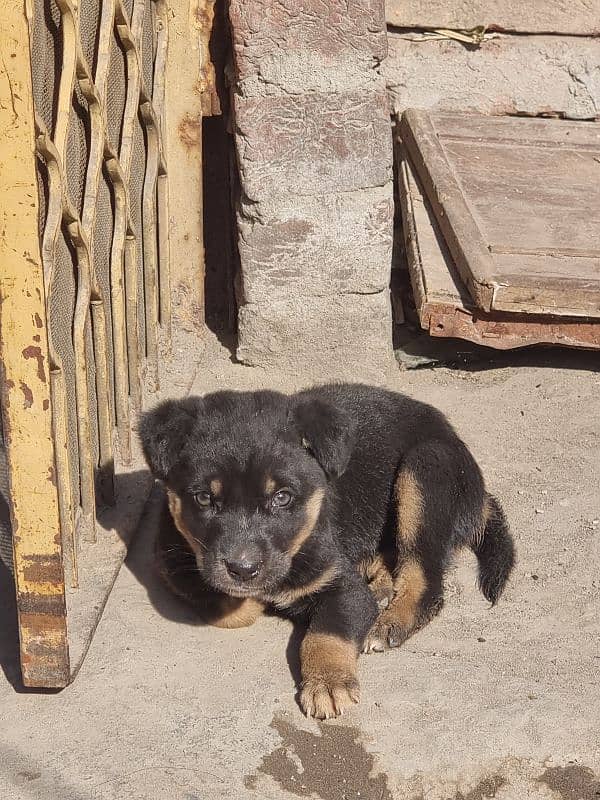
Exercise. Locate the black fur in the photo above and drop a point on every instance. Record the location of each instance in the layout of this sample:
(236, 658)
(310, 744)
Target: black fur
(348, 442)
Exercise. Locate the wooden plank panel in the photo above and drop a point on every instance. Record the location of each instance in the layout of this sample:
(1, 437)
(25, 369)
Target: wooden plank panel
(535, 16)
(39, 575)
(185, 100)
(443, 304)
(519, 209)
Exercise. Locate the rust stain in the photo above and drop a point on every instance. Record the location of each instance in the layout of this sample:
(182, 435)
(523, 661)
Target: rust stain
(9, 384)
(52, 475)
(43, 606)
(36, 352)
(37, 338)
(38, 321)
(27, 394)
(46, 404)
(42, 569)
(190, 131)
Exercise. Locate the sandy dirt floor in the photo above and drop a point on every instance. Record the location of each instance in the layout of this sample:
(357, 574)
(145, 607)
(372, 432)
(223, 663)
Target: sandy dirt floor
(483, 703)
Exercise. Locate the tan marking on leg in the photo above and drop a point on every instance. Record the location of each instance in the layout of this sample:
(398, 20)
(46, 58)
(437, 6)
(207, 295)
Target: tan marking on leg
(270, 486)
(410, 585)
(378, 575)
(313, 509)
(329, 682)
(487, 510)
(401, 618)
(288, 597)
(410, 507)
(216, 487)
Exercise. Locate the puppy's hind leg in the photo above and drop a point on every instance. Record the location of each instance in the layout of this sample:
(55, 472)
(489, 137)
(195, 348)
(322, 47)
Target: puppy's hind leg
(438, 489)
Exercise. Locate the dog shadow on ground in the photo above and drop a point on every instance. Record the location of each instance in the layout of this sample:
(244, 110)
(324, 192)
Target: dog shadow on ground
(140, 561)
(142, 564)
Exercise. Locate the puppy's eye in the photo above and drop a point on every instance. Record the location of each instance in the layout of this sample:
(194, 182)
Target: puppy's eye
(281, 499)
(203, 499)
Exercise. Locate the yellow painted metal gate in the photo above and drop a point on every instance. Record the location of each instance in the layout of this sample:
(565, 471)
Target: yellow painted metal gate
(100, 193)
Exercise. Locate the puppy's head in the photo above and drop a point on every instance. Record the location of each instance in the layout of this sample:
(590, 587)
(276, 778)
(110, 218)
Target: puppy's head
(247, 478)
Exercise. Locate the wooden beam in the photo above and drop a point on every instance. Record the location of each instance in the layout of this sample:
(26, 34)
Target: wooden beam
(25, 382)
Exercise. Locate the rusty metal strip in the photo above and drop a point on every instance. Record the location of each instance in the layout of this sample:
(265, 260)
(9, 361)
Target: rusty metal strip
(162, 195)
(150, 241)
(25, 384)
(505, 331)
(129, 35)
(59, 197)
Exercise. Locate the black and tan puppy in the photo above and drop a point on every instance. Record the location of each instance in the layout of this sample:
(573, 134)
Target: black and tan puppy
(319, 504)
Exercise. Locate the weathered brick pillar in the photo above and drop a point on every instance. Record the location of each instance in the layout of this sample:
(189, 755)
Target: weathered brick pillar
(315, 215)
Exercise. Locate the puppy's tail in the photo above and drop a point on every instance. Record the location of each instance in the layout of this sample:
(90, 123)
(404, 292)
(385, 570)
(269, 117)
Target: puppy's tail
(495, 551)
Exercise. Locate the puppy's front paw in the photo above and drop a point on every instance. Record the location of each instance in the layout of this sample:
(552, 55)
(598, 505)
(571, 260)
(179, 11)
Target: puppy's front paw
(325, 698)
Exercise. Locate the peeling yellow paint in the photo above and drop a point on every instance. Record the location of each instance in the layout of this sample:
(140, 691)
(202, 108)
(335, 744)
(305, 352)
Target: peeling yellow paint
(27, 425)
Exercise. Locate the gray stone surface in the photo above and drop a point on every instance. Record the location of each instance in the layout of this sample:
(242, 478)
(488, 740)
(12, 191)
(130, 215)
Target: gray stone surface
(344, 336)
(341, 29)
(506, 75)
(314, 153)
(533, 16)
(313, 143)
(323, 245)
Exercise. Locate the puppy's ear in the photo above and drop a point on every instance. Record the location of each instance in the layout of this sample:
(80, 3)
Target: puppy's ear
(163, 432)
(327, 432)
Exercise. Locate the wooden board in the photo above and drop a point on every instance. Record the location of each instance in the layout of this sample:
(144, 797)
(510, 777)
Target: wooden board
(518, 203)
(534, 16)
(445, 307)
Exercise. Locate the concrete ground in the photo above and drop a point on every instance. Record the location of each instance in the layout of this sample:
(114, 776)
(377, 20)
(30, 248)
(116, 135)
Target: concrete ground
(483, 703)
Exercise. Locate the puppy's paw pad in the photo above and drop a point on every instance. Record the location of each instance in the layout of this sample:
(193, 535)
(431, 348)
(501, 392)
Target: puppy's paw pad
(328, 698)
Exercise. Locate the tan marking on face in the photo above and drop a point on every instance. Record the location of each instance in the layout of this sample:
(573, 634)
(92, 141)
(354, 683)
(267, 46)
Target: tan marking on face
(288, 597)
(312, 511)
(176, 509)
(329, 682)
(270, 486)
(409, 499)
(216, 487)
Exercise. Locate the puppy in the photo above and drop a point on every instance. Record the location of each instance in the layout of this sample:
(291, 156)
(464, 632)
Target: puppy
(328, 505)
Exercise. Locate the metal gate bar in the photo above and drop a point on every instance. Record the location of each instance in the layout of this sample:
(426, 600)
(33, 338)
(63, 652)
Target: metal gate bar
(92, 292)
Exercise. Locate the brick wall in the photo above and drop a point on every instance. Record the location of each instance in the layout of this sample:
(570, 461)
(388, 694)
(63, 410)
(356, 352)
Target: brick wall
(315, 214)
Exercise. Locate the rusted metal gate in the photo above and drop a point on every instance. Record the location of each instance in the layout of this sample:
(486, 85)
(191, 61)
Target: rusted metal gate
(86, 287)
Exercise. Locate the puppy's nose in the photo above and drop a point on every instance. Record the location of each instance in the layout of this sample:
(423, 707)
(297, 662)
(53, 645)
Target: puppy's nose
(243, 569)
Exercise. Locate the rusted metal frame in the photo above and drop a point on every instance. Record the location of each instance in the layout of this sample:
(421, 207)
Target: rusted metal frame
(506, 331)
(67, 503)
(149, 224)
(100, 332)
(56, 151)
(25, 387)
(70, 219)
(162, 195)
(129, 35)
